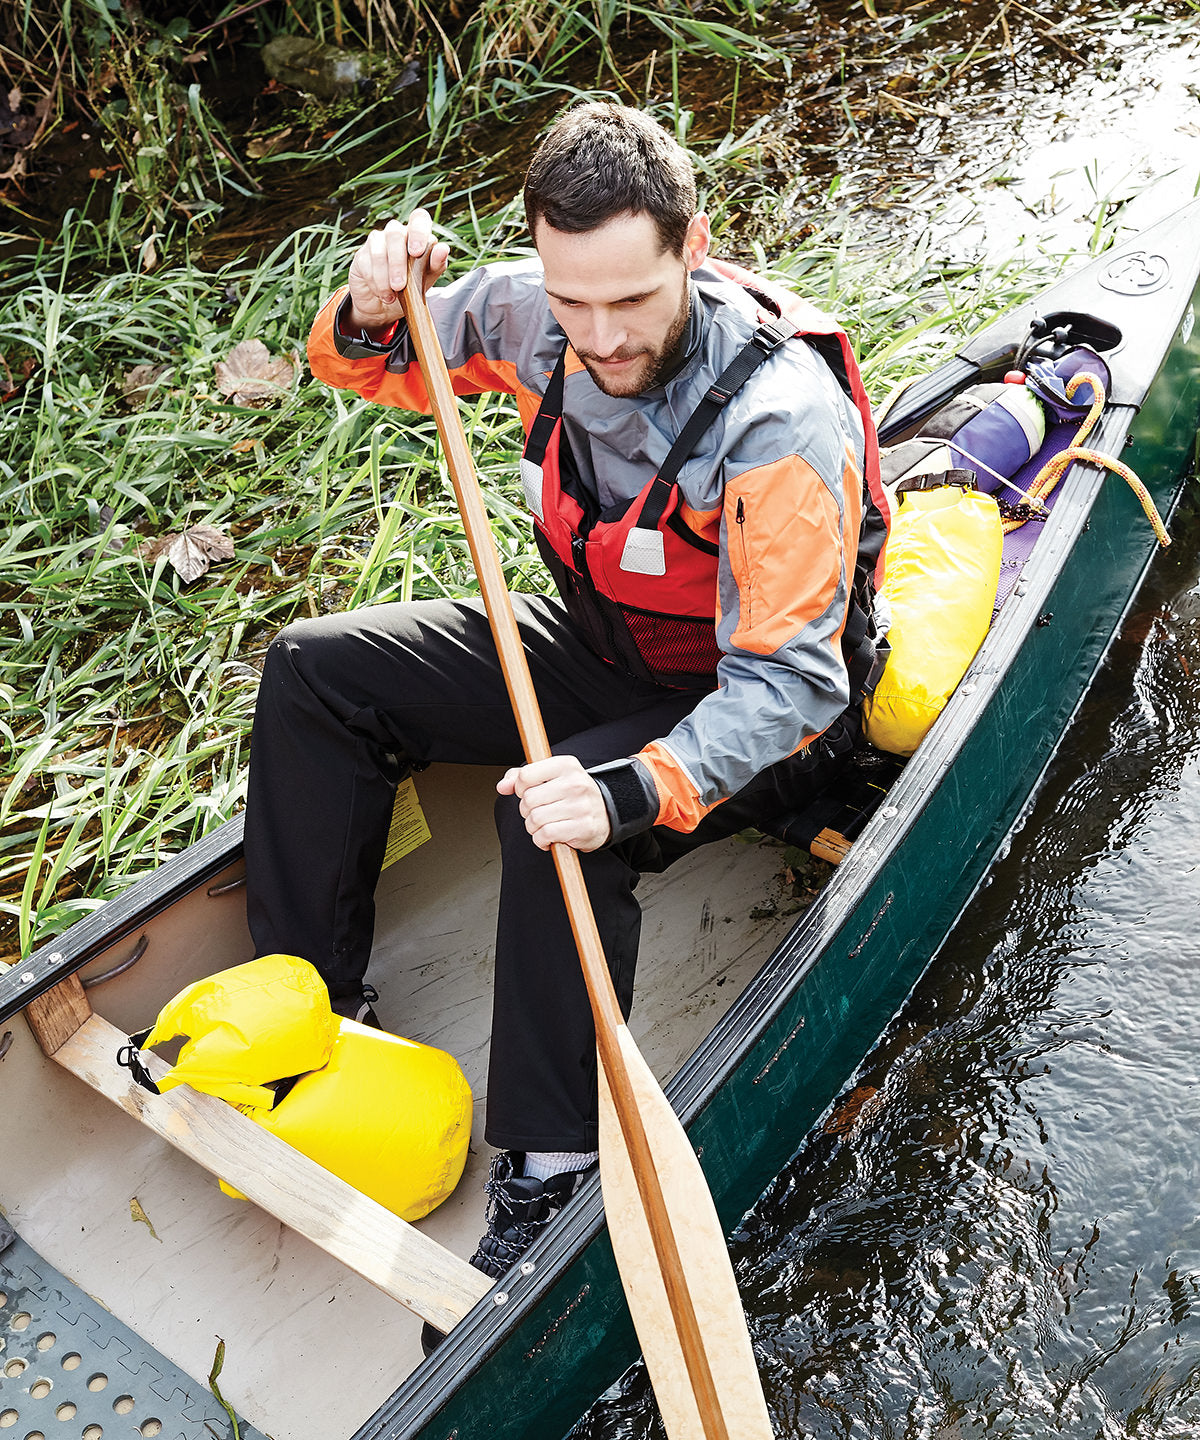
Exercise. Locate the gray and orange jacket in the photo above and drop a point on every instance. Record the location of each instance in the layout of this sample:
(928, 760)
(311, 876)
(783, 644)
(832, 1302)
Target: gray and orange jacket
(759, 536)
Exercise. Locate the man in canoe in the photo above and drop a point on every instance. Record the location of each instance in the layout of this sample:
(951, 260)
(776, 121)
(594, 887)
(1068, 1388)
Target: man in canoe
(703, 485)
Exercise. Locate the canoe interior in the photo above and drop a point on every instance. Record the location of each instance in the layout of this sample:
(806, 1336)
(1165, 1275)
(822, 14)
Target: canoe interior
(304, 1336)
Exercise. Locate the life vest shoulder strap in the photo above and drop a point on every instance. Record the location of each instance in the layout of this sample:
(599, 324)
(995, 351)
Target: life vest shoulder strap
(769, 336)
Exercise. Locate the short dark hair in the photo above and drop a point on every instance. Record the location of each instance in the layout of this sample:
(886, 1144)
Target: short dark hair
(602, 160)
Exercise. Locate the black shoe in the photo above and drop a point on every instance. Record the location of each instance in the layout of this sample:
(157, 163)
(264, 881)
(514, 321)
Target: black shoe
(519, 1209)
(358, 1006)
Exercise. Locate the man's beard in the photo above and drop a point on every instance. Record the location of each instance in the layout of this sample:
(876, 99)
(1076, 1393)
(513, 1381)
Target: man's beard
(659, 363)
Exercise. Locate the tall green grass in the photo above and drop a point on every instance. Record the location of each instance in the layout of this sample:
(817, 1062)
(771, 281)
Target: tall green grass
(126, 695)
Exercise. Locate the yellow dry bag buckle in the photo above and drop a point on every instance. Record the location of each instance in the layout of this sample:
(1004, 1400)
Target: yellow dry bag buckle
(389, 1116)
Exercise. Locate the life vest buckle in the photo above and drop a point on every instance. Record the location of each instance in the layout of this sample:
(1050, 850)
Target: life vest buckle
(771, 334)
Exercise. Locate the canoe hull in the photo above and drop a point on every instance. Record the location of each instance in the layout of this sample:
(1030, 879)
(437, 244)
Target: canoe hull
(788, 1047)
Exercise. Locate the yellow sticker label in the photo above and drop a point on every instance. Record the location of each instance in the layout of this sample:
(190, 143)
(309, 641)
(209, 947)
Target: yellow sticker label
(409, 828)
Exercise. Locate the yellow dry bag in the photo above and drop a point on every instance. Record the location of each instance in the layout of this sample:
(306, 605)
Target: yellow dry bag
(942, 569)
(389, 1116)
(247, 1027)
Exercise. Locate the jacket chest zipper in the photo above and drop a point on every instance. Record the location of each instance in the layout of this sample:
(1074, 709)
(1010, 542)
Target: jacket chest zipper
(587, 587)
(579, 555)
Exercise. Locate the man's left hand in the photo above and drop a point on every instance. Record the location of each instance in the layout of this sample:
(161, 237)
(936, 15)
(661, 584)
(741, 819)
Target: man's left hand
(561, 803)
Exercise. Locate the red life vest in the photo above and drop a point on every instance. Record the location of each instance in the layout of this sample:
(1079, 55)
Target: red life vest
(637, 580)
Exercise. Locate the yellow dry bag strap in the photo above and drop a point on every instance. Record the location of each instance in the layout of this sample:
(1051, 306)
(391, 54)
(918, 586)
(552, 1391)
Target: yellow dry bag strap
(1055, 468)
(130, 1058)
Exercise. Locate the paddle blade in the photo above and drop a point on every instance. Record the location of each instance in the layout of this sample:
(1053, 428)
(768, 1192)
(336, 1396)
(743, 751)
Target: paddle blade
(704, 1259)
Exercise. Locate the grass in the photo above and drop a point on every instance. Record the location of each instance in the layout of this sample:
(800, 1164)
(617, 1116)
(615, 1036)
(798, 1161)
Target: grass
(126, 695)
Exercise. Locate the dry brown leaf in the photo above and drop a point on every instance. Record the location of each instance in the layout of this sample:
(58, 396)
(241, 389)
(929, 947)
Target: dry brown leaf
(250, 374)
(137, 383)
(263, 145)
(190, 551)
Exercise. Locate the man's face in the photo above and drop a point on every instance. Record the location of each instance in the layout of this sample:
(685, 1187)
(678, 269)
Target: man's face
(621, 300)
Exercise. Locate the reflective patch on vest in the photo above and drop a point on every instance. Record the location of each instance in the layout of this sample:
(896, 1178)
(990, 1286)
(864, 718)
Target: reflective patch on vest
(531, 479)
(643, 553)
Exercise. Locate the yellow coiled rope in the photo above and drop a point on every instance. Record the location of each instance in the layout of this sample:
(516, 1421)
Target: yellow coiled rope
(1054, 469)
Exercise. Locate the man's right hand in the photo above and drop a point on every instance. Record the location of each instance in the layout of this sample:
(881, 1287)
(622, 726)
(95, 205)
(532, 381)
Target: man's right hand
(379, 270)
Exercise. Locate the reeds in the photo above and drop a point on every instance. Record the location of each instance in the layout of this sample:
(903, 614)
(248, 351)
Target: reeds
(126, 693)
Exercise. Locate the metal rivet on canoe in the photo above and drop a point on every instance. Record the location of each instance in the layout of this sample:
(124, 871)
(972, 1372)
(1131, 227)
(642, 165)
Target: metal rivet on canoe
(27, 978)
(500, 1297)
(969, 688)
(889, 812)
(528, 1268)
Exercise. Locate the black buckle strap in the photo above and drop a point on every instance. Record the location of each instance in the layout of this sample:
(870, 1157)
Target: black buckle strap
(937, 480)
(769, 336)
(129, 1058)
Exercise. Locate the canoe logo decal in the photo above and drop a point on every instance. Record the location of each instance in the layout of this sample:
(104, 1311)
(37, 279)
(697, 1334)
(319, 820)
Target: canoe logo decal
(1138, 273)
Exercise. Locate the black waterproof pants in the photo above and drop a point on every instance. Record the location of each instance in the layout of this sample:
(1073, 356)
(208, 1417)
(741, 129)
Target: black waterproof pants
(347, 703)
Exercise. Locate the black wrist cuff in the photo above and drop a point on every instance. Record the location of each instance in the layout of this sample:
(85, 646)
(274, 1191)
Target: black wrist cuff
(629, 797)
(352, 344)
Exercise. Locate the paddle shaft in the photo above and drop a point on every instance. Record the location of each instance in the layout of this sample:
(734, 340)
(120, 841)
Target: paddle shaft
(605, 1010)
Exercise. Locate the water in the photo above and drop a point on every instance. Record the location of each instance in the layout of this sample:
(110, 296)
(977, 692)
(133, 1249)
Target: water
(996, 1231)
(1005, 129)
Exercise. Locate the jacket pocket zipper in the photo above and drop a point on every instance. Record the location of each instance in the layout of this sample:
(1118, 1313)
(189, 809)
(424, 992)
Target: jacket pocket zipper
(746, 620)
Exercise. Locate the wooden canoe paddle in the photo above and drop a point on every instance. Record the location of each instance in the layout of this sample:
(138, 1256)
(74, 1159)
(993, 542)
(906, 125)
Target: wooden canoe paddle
(667, 1239)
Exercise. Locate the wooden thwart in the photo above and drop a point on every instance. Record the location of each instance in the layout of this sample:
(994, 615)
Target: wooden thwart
(830, 845)
(392, 1254)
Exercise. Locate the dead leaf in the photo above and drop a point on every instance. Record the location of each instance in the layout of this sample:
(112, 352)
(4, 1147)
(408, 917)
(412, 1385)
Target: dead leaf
(136, 1211)
(14, 99)
(137, 384)
(263, 145)
(250, 374)
(190, 551)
